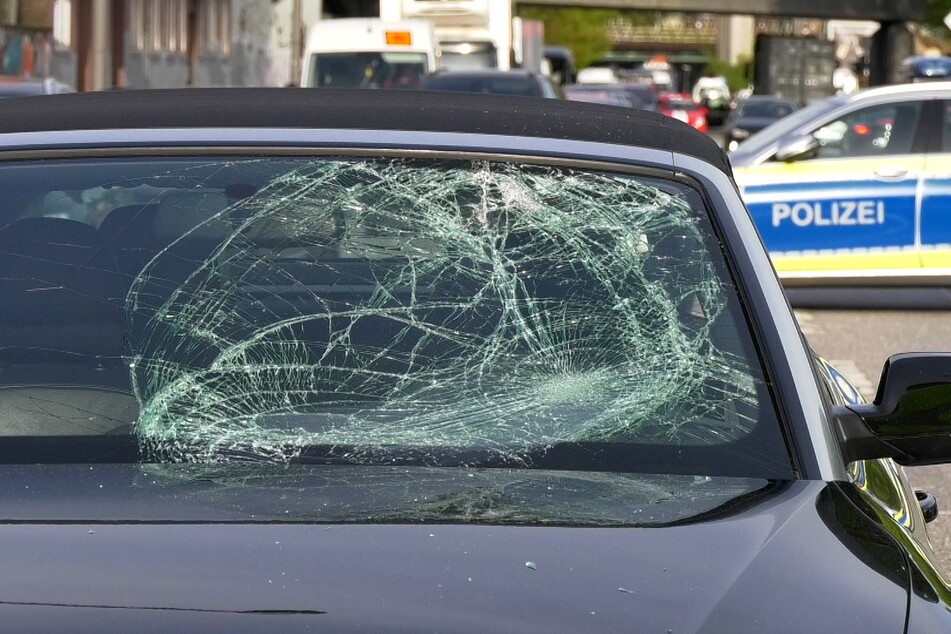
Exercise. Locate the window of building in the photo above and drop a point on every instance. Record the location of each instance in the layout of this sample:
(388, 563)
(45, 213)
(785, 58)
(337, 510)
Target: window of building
(216, 26)
(137, 21)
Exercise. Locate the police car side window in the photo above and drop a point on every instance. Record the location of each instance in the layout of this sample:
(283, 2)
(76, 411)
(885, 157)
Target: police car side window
(875, 131)
(946, 133)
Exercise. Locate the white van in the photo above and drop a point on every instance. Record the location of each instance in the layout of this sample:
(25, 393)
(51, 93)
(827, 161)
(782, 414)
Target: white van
(368, 53)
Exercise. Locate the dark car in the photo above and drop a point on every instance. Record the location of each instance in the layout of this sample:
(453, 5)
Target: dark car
(521, 83)
(639, 96)
(608, 94)
(273, 360)
(561, 64)
(645, 93)
(751, 115)
(713, 93)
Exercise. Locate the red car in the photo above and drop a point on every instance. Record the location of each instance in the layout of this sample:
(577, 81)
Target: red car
(682, 106)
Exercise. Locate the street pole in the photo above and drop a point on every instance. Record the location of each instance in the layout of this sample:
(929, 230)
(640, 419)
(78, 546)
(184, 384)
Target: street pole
(297, 48)
(101, 45)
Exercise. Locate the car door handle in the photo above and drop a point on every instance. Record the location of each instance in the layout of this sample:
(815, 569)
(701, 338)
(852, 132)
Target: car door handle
(892, 172)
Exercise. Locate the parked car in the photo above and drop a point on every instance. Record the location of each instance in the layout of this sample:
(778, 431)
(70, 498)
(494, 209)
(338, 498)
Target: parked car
(522, 83)
(597, 75)
(925, 68)
(682, 107)
(561, 65)
(713, 93)
(751, 115)
(605, 94)
(640, 96)
(19, 87)
(612, 94)
(853, 190)
(644, 93)
(277, 359)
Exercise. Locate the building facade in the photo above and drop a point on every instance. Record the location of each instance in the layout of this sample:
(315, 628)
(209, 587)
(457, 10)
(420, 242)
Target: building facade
(105, 44)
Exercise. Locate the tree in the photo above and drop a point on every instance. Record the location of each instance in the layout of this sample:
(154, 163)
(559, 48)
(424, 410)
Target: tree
(584, 31)
(935, 11)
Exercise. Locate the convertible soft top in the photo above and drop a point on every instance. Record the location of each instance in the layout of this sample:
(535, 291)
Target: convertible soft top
(357, 109)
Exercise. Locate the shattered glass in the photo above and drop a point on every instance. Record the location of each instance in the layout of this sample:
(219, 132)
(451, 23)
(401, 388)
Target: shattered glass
(358, 310)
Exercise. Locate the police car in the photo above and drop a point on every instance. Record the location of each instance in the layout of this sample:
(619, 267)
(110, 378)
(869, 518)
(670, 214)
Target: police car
(855, 189)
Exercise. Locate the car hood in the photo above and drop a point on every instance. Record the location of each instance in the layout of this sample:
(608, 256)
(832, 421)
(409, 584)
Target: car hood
(245, 555)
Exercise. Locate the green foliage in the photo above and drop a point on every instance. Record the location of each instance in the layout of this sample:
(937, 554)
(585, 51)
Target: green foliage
(934, 15)
(584, 31)
(737, 76)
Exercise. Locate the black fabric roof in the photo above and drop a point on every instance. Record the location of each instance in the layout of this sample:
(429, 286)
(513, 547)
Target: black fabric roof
(357, 109)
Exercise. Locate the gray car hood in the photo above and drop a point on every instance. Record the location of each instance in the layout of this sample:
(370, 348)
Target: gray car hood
(747, 556)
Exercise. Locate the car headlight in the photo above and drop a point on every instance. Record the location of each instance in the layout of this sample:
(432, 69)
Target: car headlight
(740, 133)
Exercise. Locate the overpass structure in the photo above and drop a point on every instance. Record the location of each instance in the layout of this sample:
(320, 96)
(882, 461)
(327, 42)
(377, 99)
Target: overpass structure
(889, 45)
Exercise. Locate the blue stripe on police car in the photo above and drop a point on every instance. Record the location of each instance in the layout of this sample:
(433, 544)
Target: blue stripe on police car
(841, 214)
(845, 222)
(829, 213)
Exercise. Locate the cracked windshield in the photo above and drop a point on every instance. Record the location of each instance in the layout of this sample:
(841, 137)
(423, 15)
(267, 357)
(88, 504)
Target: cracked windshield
(384, 311)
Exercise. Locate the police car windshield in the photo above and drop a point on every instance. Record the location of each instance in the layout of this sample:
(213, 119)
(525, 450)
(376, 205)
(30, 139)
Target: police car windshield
(762, 140)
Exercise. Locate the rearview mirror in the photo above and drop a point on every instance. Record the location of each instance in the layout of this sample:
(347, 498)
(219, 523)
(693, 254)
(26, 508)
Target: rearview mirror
(910, 419)
(797, 149)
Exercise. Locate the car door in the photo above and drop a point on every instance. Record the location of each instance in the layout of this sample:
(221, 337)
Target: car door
(850, 205)
(936, 194)
(883, 484)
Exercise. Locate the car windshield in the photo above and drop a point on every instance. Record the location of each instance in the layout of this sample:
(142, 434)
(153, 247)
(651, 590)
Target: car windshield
(368, 70)
(468, 55)
(374, 311)
(770, 135)
(601, 94)
(520, 86)
(763, 109)
(680, 103)
(646, 94)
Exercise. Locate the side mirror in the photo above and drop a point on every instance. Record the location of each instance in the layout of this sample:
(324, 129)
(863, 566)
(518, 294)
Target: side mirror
(797, 149)
(910, 419)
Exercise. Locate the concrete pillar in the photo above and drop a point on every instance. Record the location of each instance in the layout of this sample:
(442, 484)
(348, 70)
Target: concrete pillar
(297, 40)
(892, 43)
(101, 45)
(737, 35)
